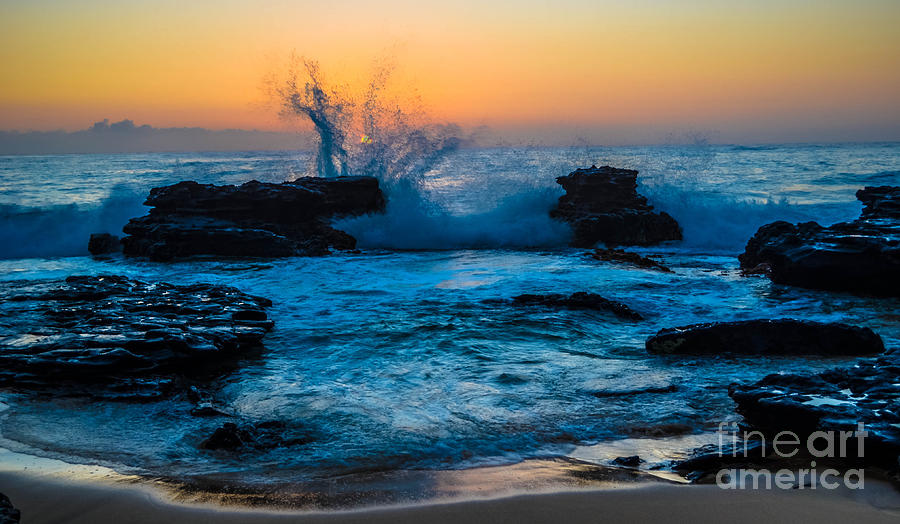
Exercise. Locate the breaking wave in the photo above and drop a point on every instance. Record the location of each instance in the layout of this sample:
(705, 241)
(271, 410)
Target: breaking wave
(64, 230)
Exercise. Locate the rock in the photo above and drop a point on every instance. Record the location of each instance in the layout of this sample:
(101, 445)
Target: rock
(625, 257)
(880, 202)
(836, 400)
(628, 462)
(207, 411)
(670, 388)
(660, 430)
(767, 337)
(860, 256)
(118, 336)
(254, 219)
(706, 461)
(103, 243)
(227, 437)
(602, 205)
(8, 513)
(260, 436)
(759, 269)
(579, 300)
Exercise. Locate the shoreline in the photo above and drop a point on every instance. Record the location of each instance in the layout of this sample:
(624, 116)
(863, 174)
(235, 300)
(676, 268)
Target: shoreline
(351, 492)
(42, 499)
(49, 490)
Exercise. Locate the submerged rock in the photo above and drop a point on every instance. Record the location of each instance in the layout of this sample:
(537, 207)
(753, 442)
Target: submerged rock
(8, 513)
(633, 461)
(660, 430)
(254, 219)
(117, 335)
(860, 256)
(603, 205)
(836, 400)
(767, 337)
(579, 300)
(668, 388)
(103, 243)
(625, 257)
(260, 436)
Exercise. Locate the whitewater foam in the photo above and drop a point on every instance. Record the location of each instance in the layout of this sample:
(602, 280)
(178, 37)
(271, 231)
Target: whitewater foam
(63, 230)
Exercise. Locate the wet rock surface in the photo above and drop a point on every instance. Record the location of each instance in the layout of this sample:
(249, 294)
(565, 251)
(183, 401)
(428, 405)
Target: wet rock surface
(835, 400)
(260, 436)
(579, 300)
(620, 256)
(628, 462)
(603, 205)
(859, 256)
(104, 243)
(254, 219)
(767, 337)
(111, 335)
(8, 513)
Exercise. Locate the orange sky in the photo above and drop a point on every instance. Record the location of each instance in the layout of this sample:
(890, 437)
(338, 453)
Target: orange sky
(786, 70)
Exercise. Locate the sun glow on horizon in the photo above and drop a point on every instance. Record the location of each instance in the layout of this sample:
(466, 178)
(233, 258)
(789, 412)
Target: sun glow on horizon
(784, 69)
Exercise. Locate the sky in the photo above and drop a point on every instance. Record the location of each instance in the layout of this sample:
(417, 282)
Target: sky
(530, 70)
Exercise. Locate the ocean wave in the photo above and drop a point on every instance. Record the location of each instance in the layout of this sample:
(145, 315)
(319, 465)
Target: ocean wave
(712, 222)
(411, 222)
(63, 230)
(716, 223)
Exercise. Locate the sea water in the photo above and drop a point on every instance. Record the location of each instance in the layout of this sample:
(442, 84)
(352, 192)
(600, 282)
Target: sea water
(399, 357)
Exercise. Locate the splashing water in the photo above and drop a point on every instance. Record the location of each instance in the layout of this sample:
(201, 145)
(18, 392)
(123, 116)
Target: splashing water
(398, 143)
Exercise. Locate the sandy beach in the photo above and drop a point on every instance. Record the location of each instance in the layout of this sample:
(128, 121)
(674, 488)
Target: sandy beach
(43, 499)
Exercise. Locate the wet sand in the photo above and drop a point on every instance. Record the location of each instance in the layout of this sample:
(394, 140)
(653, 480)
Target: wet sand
(44, 498)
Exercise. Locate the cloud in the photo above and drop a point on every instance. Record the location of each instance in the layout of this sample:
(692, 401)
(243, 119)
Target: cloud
(127, 137)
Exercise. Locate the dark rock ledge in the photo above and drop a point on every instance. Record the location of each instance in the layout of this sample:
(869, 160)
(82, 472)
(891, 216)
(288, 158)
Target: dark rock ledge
(620, 256)
(859, 256)
(119, 337)
(259, 436)
(578, 300)
(254, 219)
(602, 205)
(104, 243)
(8, 513)
(767, 337)
(836, 400)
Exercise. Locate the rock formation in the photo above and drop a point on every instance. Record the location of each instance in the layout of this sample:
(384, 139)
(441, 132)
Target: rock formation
(260, 436)
(603, 205)
(860, 256)
(579, 300)
(103, 243)
(115, 336)
(836, 400)
(625, 257)
(254, 219)
(8, 513)
(767, 337)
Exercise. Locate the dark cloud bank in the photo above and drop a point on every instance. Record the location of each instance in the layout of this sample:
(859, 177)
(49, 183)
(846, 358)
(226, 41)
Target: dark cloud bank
(125, 137)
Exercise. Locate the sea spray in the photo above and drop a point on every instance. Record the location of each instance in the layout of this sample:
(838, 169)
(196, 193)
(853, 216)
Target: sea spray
(400, 145)
(391, 139)
(519, 220)
(63, 229)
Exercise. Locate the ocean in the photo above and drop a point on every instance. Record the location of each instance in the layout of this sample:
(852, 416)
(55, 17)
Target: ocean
(399, 357)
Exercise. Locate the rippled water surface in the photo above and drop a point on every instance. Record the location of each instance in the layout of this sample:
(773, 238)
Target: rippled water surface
(399, 357)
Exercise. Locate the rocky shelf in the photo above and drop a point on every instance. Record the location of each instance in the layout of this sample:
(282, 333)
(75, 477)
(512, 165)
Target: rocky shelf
(783, 336)
(254, 219)
(859, 256)
(116, 336)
